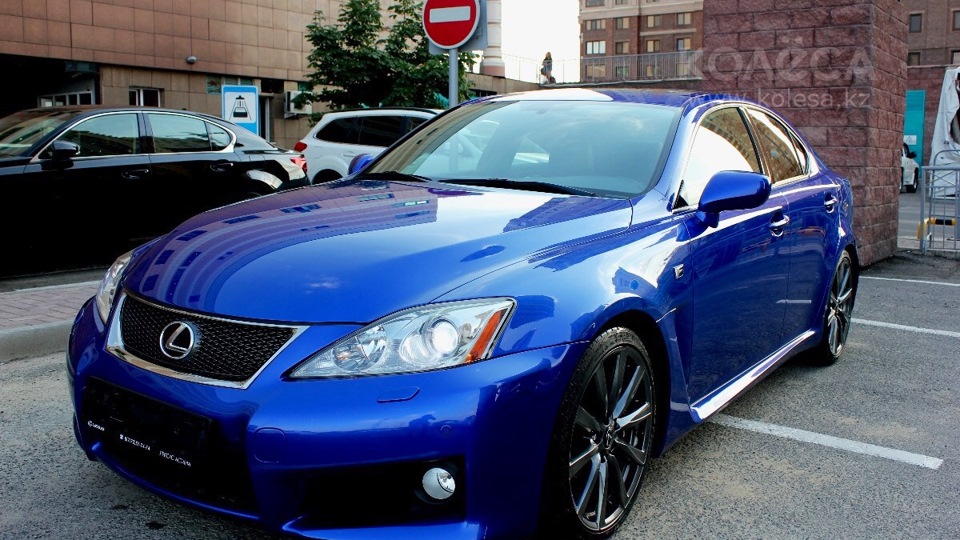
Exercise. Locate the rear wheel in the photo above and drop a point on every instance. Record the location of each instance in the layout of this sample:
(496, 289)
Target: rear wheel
(839, 312)
(602, 439)
(326, 175)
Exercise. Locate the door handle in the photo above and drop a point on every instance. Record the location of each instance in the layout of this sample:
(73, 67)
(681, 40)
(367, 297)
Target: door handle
(223, 166)
(135, 174)
(776, 227)
(830, 204)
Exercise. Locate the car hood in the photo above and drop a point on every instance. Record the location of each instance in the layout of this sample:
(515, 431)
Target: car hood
(354, 251)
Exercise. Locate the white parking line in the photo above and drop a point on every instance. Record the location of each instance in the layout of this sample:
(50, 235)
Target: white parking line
(916, 329)
(913, 281)
(826, 440)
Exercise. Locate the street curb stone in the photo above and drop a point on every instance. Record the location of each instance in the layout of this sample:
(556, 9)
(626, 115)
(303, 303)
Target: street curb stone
(34, 341)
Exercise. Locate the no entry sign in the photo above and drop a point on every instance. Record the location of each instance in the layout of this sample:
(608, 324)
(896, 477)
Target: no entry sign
(450, 23)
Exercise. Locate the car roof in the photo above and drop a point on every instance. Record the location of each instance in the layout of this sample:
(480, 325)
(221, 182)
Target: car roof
(90, 109)
(373, 110)
(653, 96)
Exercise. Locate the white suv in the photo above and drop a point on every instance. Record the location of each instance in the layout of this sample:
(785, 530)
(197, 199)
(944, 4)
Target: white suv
(340, 136)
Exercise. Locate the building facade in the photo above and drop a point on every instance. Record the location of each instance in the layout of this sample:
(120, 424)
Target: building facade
(933, 32)
(639, 39)
(169, 53)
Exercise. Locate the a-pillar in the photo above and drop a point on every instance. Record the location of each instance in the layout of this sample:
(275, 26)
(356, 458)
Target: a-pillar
(492, 63)
(837, 70)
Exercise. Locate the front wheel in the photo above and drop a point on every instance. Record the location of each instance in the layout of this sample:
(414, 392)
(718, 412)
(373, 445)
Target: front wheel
(839, 312)
(912, 188)
(602, 439)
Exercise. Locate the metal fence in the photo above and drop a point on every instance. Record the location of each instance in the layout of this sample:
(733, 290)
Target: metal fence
(938, 229)
(684, 65)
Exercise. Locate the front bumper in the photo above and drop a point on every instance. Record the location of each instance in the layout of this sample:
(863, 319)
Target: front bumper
(342, 458)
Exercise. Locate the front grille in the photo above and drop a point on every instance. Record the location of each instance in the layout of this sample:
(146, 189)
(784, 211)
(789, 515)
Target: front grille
(225, 350)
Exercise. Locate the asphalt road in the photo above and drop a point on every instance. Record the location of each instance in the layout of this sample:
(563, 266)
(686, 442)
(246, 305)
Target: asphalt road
(752, 472)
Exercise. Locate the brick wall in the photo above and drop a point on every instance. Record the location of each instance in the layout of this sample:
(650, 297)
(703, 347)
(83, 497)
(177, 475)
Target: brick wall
(836, 69)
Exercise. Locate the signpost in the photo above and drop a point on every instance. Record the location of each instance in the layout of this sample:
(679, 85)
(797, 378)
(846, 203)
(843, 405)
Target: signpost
(240, 106)
(449, 25)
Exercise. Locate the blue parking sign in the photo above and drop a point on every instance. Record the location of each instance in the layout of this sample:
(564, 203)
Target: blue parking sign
(241, 106)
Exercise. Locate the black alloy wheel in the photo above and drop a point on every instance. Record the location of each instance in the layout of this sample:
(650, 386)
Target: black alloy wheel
(839, 311)
(603, 437)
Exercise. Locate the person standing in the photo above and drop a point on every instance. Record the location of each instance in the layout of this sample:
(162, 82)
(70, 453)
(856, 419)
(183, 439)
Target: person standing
(546, 68)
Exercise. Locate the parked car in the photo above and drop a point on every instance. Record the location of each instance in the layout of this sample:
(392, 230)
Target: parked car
(444, 348)
(909, 170)
(143, 169)
(339, 136)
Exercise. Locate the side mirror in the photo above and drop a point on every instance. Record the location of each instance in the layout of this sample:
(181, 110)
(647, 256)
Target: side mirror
(732, 190)
(359, 162)
(911, 154)
(63, 150)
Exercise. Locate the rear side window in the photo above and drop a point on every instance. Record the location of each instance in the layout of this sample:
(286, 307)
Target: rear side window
(175, 133)
(381, 130)
(108, 135)
(778, 146)
(341, 130)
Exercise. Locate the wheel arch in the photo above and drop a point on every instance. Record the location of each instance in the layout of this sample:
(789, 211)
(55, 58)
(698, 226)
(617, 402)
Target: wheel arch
(650, 334)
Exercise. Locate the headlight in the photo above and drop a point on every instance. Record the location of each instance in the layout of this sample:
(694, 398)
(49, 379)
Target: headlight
(418, 339)
(108, 287)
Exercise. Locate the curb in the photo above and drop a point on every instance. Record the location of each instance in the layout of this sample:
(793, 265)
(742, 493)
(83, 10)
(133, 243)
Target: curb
(34, 341)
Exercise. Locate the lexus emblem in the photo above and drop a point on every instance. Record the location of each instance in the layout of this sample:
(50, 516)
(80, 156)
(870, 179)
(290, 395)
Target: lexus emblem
(179, 339)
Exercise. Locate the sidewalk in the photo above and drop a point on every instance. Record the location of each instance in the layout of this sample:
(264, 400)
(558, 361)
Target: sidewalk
(36, 321)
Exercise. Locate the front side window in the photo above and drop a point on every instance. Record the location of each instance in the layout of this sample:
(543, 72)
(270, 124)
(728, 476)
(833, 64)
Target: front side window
(722, 143)
(22, 130)
(778, 147)
(176, 133)
(602, 148)
(107, 135)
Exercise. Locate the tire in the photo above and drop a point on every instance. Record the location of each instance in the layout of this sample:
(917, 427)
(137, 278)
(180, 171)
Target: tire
(326, 175)
(912, 188)
(838, 313)
(903, 186)
(602, 439)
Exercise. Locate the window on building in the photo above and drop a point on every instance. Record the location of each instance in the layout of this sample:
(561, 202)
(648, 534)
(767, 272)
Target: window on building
(145, 97)
(954, 57)
(653, 45)
(215, 83)
(916, 22)
(596, 47)
(683, 44)
(622, 47)
(596, 24)
(956, 20)
(913, 59)
(76, 98)
(622, 2)
(653, 21)
(594, 3)
(621, 72)
(597, 71)
(684, 19)
(622, 22)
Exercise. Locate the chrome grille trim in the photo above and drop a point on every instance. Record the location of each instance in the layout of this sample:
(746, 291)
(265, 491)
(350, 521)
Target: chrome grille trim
(116, 347)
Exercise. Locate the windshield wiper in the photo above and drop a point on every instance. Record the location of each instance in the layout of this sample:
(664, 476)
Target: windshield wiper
(528, 185)
(392, 175)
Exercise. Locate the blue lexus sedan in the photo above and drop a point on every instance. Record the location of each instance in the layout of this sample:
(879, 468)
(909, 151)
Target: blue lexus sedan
(486, 331)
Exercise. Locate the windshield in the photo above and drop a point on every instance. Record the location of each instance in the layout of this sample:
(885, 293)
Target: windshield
(20, 131)
(608, 149)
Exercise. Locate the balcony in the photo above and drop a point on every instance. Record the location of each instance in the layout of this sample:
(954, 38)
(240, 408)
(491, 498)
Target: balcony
(670, 66)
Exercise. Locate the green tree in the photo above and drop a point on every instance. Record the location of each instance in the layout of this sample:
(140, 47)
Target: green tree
(359, 62)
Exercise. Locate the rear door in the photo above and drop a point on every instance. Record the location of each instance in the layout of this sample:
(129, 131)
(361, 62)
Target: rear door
(812, 201)
(195, 167)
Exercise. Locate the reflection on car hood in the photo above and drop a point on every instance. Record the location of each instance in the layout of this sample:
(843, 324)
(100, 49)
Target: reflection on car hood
(355, 251)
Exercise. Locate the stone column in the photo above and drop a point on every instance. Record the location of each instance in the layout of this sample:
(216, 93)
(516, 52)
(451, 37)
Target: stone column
(837, 70)
(492, 63)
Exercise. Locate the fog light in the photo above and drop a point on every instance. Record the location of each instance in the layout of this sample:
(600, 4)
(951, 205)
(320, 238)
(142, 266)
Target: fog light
(439, 484)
